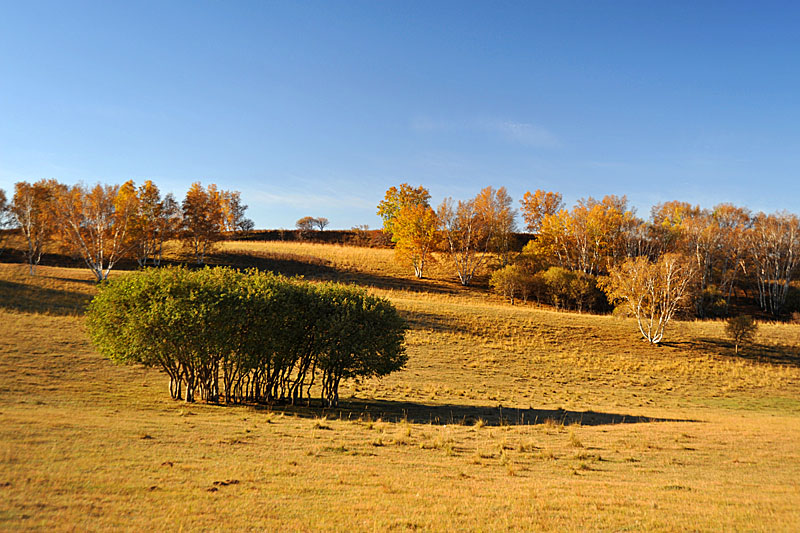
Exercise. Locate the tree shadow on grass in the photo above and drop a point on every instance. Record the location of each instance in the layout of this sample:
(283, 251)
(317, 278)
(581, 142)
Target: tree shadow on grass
(779, 354)
(32, 299)
(323, 270)
(441, 323)
(419, 413)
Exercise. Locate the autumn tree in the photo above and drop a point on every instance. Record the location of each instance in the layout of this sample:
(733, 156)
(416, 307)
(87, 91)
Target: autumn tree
(733, 224)
(495, 209)
(398, 197)
(667, 221)
(203, 220)
(537, 206)
(713, 238)
(591, 237)
(416, 235)
(467, 237)
(233, 217)
(652, 291)
(156, 221)
(305, 223)
(33, 213)
(511, 282)
(773, 245)
(95, 223)
(557, 282)
(6, 219)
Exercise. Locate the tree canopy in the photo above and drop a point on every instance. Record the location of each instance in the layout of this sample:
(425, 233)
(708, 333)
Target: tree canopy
(246, 336)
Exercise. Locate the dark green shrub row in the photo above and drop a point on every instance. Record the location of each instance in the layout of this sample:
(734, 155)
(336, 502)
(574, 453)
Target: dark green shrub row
(246, 336)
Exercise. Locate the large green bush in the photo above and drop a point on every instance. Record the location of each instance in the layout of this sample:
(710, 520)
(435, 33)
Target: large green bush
(246, 336)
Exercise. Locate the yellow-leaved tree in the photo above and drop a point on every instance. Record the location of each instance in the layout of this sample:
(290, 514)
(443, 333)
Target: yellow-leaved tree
(592, 237)
(412, 223)
(537, 205)
(416, 235)
(397, 198)
(499, 219)
(467, 236)
(31, 209)
(95, 223)
(651, 291)
(156, 221)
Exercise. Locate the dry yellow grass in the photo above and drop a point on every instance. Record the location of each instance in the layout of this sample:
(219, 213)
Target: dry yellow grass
(506, 418)
(371, 267)
(343, 258)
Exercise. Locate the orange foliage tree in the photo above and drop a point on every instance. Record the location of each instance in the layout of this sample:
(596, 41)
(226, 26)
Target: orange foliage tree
(95, 223)
(494, 208)
(536, 206)
(203, 220)
(32, 211)
(156, 221)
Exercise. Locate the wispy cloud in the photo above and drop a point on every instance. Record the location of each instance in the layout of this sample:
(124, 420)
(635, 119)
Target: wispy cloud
(309, 201)
(523, 133)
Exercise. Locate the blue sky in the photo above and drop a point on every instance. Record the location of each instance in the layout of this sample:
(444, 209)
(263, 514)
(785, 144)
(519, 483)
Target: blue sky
(316, 108)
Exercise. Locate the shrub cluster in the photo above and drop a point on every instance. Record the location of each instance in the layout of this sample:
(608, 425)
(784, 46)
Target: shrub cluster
(556, 286)
(246, 336)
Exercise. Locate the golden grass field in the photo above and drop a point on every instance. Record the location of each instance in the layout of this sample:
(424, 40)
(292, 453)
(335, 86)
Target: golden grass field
(506, 418)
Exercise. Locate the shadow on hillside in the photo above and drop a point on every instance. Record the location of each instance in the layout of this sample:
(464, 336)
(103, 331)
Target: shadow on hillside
(320, 269)
(419, 413)
(32, 299)
(61, 260)
(761, 353)
(89, 282)
(440, 323)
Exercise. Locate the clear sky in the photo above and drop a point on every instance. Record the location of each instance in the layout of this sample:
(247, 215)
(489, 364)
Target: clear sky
(316, 108)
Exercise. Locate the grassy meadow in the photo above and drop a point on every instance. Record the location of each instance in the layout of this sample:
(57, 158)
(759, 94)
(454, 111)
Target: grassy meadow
(505, 418)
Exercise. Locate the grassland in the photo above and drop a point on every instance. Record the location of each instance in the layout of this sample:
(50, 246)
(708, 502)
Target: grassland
(506, 418)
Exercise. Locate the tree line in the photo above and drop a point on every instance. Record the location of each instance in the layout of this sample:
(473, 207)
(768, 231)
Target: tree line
(225, 335)
(106, 223)
(586, 257)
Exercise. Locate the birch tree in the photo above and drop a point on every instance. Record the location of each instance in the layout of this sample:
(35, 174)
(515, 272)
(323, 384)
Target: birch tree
(397, 198)
(233, 210)
(95, 223)
(537, 206)
(734, 223)
(652, 292)
(203, 221)
(416, 235)
(510, 281)
(591, 237)
(156, 221)
(774, 251)
(6, 219)
(467, 237)
(33, 213)
(494, 206)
